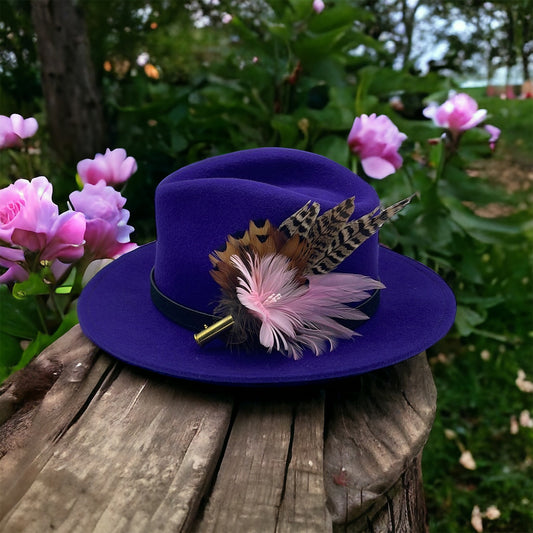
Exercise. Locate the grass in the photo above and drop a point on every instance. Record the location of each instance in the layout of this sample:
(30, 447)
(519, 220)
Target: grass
(480, 404)
(477, 399)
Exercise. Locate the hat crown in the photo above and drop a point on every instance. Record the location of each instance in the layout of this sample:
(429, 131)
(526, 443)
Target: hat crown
(198, 206)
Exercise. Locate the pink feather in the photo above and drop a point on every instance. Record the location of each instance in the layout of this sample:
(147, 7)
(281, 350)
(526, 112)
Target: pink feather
(295, 316)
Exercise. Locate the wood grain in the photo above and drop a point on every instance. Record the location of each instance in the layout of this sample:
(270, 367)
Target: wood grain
(249, 486)
(377, 425)
(304, 501)
(108, 447)
(137, 453)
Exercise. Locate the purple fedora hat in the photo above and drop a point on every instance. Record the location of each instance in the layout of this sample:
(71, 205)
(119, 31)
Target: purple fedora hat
(145, 307)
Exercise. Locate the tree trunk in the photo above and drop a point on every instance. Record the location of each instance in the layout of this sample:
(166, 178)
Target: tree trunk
(73, 103)
(511, 39)
(526, 23)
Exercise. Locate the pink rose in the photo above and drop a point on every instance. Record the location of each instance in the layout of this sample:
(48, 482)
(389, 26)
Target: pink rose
(11, 259)
(107, 235)
(30, 219)
(376, 140)
(112, 167)
(15, 128)
(37, 195)
(459, 113)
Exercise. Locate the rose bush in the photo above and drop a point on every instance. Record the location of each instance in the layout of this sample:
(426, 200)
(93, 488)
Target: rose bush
(44, 254)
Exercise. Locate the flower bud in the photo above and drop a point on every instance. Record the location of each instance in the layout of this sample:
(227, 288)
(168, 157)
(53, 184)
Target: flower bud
(113, 167)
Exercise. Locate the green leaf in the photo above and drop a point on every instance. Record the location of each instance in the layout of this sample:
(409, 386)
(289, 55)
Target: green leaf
(311, 46)
(455, 182)
(487, 230)
(68, 284)
(435, 229)
(301, 8)
(178, 142)
(33, 286)
(333, 147)
(19, 317)
(471, 267)
(279, 30)
(363, 100)
(10, 353)
(42, 340)
(466, 320)
(485, 301)
(436, 154)
(287, 128)
(340, 16)
(246, 34)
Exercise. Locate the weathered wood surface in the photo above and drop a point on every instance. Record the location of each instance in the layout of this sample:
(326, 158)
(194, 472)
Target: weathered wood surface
(102, 447)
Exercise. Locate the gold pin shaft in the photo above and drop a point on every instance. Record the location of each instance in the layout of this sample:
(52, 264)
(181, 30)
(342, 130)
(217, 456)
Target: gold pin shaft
(207, 334)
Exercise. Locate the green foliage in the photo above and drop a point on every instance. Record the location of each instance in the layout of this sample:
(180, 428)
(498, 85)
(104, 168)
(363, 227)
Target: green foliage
(34, 314)
(477, 399)
(19, 74)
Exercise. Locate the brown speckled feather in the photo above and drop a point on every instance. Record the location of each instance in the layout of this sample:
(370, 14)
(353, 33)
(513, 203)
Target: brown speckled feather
(350, 237)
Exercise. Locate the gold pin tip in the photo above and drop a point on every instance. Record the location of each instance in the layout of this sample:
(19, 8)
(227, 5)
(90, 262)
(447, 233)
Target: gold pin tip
(210, 332)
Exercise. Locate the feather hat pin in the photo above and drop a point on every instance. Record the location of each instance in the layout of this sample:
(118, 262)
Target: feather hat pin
(277, 283)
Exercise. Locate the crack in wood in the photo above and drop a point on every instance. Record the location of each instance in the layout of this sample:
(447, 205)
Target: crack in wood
(390, 510)
(287, 465)
(407, 493)
(409, 403)
(135, 399)
(98, 388)
(204, 500)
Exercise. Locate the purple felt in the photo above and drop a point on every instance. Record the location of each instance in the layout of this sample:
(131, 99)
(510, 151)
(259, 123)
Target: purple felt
(416, 309)
(196, 208)
(199, 205)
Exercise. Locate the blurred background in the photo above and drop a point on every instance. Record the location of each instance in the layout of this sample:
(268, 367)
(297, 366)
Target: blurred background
(173, 82)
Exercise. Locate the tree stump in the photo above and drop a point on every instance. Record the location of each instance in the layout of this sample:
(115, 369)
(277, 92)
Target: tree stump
(90, 444)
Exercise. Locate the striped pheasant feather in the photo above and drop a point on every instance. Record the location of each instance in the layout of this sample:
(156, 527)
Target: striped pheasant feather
(300, 222)
(327, 227)
(350, 236)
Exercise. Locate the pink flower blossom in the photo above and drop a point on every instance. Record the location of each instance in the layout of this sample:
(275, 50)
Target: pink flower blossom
(459, 113)
(107, 235)
(37, 195)
(11, 260)
(113, 167)
(295, 316)
(494, 133)
(318, 6)
(15, 128)
(376, 140)
(31, 220)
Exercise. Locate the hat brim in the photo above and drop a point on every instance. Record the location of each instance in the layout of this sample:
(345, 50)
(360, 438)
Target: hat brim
(115, 310)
